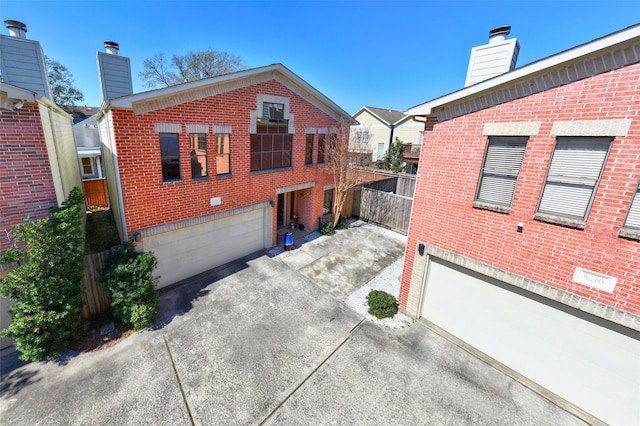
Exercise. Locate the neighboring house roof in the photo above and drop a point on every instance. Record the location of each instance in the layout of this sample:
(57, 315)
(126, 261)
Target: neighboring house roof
(169, 96)
(80, 113)
(87, 136)
(387, 116)
(610, 52)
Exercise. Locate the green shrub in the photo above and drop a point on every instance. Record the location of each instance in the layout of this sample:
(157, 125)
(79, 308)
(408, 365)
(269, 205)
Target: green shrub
(326, 228)
(382, 304)
(342, 223)
(45, 285)
(127, 276)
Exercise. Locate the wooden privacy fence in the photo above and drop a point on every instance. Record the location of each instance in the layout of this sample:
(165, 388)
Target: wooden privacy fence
(96, 299)
(95, 192)
(387, 209)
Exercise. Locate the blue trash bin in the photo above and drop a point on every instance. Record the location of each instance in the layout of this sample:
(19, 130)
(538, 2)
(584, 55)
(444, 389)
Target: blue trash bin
(288, 241)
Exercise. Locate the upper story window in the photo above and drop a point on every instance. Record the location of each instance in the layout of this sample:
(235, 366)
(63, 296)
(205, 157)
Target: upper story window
(500, 170)
(308, 152)
(321, 147)
(198, 153)
(170, 157)
(272, 120)
(271, 138)
(223, 153)
(631, 226)
(573, 177)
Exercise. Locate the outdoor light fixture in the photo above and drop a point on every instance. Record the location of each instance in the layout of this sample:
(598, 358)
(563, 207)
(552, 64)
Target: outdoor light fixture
(421, 249)
(272, 203)
(18, 105)
(520, 227)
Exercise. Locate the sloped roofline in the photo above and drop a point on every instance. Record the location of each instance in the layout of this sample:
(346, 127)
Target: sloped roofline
(571, 55)
(131, 100)
(368, 109)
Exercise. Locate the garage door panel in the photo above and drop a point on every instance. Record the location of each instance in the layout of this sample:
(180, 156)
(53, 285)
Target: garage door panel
(591, 366)
(189, 251)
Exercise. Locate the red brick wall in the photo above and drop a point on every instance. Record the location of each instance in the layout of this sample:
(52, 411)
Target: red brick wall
(148, 201)
(26, 184)
(448, 175)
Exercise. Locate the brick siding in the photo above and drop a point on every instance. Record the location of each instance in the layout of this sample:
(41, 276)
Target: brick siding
(150, 202)
(451, 160)
(26, 183)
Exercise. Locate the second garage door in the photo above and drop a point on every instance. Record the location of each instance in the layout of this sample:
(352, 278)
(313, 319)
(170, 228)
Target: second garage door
(591, 366)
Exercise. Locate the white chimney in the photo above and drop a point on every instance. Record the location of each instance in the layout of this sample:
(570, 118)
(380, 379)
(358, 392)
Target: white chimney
(494, 58)
(16, 28)
(111, 47)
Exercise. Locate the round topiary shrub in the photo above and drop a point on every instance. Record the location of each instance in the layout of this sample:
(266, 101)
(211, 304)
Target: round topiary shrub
(382, 304)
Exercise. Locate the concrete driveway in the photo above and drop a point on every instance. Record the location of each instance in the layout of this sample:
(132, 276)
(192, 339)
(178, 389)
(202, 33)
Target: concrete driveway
(261, 342)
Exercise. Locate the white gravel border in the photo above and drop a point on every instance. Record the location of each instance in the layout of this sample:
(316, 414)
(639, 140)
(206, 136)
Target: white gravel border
(388, 280)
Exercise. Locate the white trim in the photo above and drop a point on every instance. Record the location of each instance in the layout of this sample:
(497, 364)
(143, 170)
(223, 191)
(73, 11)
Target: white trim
(167, 128)
(197, 128)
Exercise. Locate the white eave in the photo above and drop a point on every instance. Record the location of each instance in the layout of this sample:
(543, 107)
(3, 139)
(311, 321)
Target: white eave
(527, 71)
(129, 101)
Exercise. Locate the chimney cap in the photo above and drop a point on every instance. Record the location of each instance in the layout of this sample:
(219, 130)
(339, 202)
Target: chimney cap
(10, 23)
(113, 44)
(500, 31)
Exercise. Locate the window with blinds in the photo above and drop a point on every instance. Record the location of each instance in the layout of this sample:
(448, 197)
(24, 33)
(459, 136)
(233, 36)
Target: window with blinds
(573, 176)
(500, 170)
(633, 216)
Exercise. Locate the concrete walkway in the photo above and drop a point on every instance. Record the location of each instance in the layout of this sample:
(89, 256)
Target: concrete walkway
(268, 341)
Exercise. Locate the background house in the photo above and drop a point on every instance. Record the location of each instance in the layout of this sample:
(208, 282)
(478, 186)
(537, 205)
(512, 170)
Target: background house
(38, 162)
(524, 242)
(379, 127)
(207, 171)
(90, 161)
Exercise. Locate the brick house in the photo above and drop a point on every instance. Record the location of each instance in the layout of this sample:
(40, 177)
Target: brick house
(38, 163)
(208, 171)
(524, 241)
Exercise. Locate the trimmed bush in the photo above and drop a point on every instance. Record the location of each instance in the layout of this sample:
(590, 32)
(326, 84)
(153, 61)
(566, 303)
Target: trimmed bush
(326, 228)
(127, 277)
(46, 285)
(382, 304)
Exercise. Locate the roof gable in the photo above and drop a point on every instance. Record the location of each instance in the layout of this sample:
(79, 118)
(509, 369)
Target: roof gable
(607, 53)
(174, 95)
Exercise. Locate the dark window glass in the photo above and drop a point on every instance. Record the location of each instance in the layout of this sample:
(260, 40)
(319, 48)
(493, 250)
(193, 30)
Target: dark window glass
(328, 201)
(321, 139)
(270, 151)
(308, 153)
(198, 153)
(170, 156)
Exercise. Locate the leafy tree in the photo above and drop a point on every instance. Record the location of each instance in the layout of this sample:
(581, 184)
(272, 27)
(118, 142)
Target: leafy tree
(46, 284)
(342, 153)
(62, 86)
(161, 71)
(395, 156)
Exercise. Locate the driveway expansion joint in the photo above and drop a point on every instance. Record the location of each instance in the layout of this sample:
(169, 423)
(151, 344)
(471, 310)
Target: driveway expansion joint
(323, 362)
(175, 372)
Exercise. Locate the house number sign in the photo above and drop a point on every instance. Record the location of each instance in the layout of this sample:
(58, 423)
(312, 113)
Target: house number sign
(595, 280)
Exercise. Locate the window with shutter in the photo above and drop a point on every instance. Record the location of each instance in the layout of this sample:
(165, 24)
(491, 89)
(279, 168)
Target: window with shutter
(633, 216)
(573, 176)
(500, 170)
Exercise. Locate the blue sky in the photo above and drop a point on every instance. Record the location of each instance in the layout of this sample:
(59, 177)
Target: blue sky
(383, 54)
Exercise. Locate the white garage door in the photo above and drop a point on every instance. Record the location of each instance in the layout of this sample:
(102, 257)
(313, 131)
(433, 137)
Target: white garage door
(588, 365)
(190, 251)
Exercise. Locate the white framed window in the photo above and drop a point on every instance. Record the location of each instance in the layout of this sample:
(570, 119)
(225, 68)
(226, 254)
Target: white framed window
(572, 179)
(87, 167)
(500, 170)
(420, 137)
